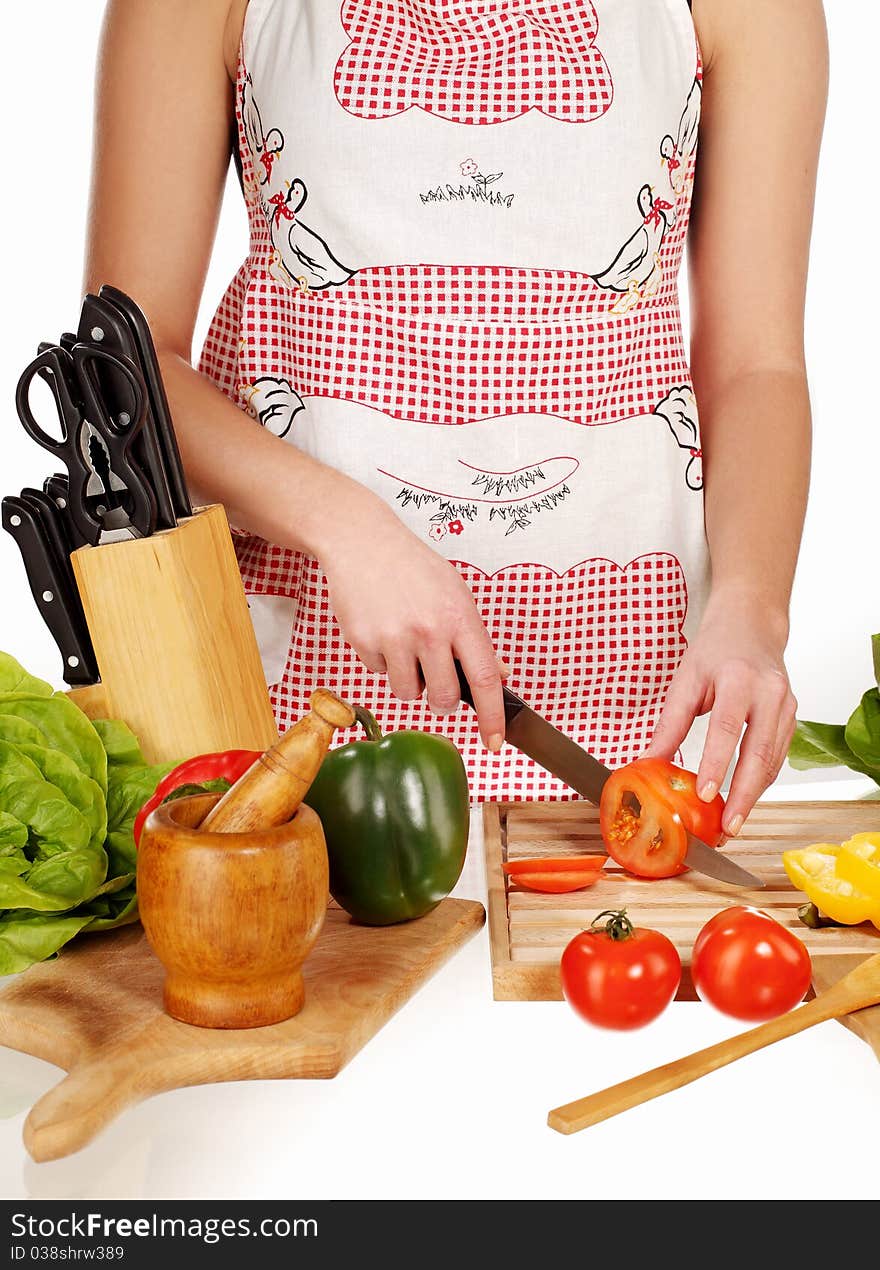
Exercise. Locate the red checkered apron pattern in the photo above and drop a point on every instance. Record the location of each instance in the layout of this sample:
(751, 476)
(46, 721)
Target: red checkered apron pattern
(466, 226)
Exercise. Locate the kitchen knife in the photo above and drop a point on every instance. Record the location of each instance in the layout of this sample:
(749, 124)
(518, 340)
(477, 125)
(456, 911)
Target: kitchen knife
(52, 524)
(102, 325)
(58, 489)
(54, 531)
(160, 410)
(564, 758)
(61, 610)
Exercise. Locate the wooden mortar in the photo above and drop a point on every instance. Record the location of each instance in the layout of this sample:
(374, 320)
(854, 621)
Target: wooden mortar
(232, 916)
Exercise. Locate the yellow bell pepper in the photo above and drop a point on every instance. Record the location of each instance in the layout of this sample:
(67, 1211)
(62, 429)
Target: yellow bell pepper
(814, 871)
(859, 863)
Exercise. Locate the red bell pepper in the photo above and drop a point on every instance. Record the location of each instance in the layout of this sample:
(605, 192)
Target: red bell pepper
(228, 765)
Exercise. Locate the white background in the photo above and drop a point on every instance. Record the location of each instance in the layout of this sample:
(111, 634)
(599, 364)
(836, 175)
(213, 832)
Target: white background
(473, 1078)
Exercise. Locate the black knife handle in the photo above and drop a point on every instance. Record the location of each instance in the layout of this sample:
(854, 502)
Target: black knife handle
(512, 703)
(161, 411)
(51, 519)
(58, 489)
(101, 325)
(57, 606)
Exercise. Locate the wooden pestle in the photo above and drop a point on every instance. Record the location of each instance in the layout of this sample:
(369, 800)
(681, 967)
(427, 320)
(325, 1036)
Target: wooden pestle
(270, 791)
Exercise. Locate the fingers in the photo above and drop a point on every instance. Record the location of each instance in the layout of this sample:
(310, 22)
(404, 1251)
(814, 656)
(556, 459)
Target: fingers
(432, 670)
(787, 727)
(441, 681)
(373, 661)
(733, 701)
(404, 678)
(771, 721)
(682, 705)
(483, 672)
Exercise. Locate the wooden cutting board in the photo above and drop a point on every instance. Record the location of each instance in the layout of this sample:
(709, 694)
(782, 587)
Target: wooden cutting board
(528, 931)
(97, 1012)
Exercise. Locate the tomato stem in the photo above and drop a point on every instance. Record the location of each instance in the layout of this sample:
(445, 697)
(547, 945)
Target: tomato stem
(618, 926)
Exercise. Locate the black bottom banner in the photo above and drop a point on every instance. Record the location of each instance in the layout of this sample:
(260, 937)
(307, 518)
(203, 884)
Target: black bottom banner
(127, 1235)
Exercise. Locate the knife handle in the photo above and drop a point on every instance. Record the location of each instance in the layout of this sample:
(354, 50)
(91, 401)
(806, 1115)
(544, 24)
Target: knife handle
(59, 608)
(102, 326)
(148, 361)
(512, 703)
(51, 520)
(57, 487)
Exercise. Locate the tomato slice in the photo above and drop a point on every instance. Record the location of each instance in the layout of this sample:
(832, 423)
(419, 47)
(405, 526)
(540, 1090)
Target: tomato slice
(646, 812)
(555, 875)
(557, 883)
(555, 864)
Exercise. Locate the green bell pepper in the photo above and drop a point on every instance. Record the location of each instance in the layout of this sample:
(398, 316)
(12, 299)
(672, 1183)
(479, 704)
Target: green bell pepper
(395, 812)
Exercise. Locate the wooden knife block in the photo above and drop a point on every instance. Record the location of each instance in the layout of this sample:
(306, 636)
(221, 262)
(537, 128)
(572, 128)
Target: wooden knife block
(173, 638)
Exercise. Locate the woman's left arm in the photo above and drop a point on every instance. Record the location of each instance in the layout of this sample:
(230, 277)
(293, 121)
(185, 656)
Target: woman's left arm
(764, 92)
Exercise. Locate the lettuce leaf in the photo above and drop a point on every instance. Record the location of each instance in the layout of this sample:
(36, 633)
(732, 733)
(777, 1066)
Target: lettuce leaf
(821, 745)
(14, 678)
(64, 727)
(84, 793)
(53, 823)
(113, 910)
(855, 744)
(70, 790)
(57, 884)
(863, 731)
(19, 731)
(130, 782)
(119, 742)
(129, 788)
(13, 840)
(29, 937)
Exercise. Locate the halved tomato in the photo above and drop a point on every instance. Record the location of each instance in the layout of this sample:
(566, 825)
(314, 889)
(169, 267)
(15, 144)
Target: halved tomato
(647, 810)
(555, 875)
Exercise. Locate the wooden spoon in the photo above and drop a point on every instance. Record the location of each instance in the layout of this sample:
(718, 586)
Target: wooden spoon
(857, 990)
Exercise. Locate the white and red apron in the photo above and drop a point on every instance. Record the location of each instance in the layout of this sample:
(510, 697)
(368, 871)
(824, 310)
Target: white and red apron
(467, 221)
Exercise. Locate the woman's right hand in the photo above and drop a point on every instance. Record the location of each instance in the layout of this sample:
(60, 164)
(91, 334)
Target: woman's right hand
(409, 614)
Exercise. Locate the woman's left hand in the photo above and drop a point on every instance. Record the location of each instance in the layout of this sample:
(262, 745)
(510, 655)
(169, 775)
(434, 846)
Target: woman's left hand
(734, 668)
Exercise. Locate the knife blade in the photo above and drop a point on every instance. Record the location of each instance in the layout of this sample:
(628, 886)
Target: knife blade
(61, 610)
(563, 757)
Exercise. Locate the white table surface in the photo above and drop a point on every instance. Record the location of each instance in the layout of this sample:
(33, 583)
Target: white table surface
(450, 1099)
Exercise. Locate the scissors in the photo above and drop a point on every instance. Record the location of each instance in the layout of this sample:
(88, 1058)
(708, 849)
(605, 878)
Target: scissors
(109, 499)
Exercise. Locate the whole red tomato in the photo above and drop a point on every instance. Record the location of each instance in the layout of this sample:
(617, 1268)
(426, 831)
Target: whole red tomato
(647, 810)
(749, 966)
(619, 976)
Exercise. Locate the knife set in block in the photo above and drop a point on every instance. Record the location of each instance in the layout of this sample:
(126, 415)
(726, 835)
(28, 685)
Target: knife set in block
(173, 640)
(136, 589)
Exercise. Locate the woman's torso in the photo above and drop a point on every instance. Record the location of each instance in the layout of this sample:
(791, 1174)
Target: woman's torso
(466, 227)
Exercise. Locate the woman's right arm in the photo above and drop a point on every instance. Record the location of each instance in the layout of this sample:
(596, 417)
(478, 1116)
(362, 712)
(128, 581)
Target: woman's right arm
(164, 116)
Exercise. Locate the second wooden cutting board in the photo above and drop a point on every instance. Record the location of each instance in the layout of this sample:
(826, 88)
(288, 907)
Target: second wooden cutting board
(528, 931)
